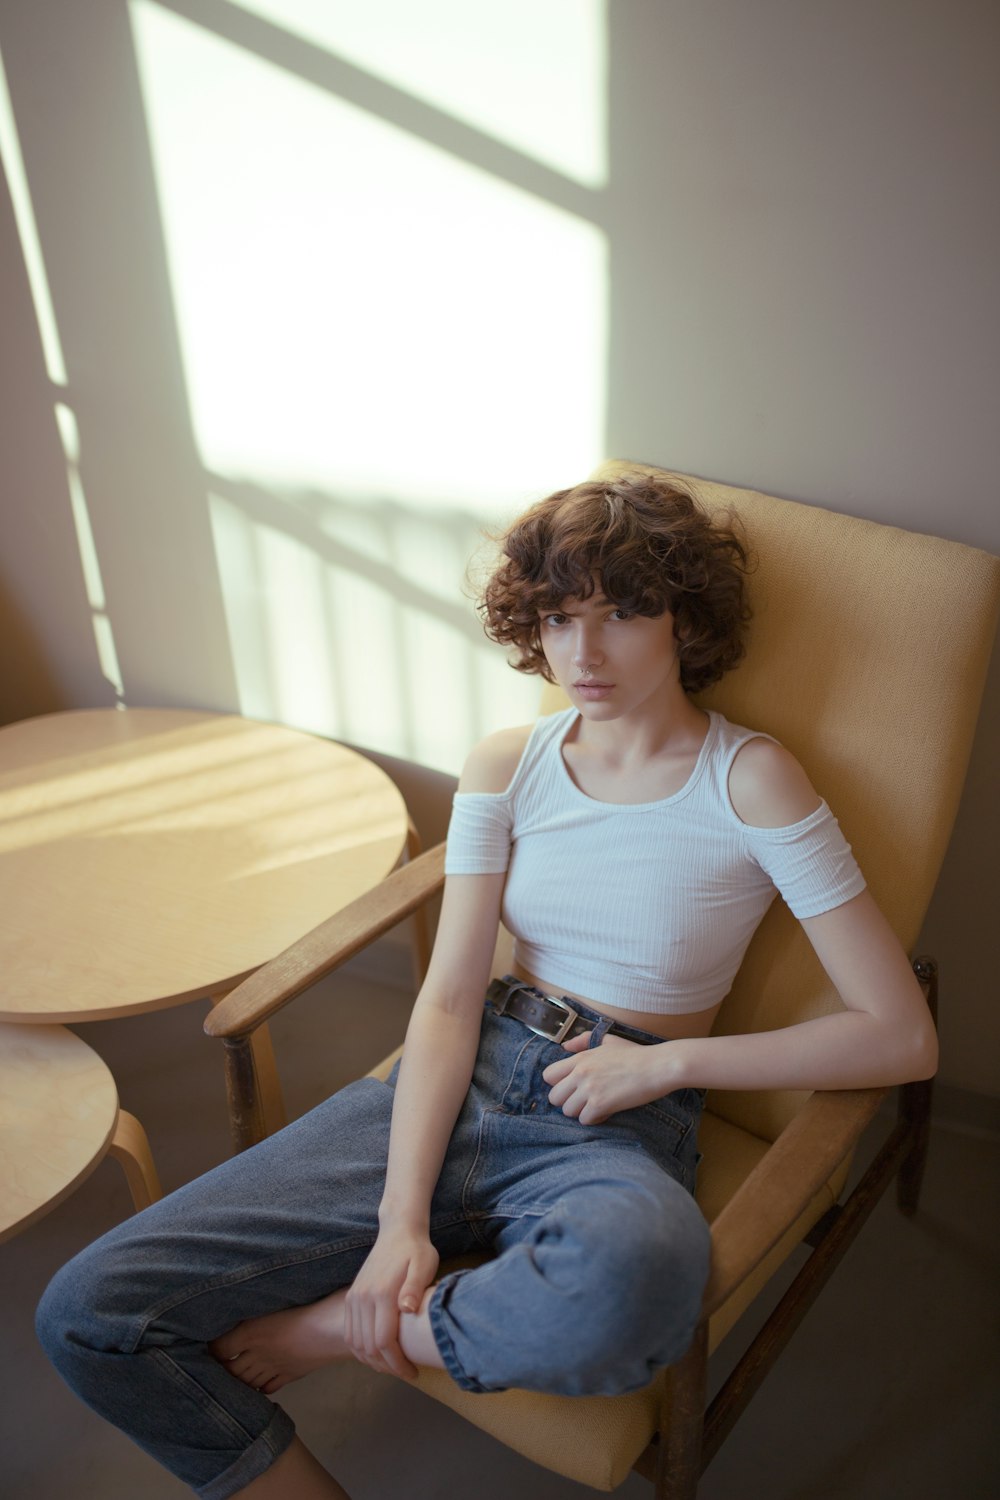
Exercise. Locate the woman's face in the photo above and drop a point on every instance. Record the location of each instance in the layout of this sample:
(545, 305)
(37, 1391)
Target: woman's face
(609, 662)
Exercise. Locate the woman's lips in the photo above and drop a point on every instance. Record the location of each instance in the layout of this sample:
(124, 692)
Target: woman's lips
(593, 691)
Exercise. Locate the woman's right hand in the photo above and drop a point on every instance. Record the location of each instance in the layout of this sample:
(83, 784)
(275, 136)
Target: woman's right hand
(400, 1267)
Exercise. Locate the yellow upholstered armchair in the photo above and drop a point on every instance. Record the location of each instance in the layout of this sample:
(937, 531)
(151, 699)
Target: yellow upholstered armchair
(867, 658)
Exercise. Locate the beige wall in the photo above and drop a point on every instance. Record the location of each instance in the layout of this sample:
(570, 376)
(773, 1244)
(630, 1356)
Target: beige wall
(803, 298)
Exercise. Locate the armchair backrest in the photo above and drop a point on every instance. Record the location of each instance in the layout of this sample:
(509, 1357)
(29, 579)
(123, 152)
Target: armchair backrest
(867, 656)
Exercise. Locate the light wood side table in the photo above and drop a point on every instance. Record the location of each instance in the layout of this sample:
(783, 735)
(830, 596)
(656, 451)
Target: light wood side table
(149, 857)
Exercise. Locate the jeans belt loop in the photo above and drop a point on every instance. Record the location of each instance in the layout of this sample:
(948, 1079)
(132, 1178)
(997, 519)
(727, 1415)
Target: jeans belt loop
(599, 1032)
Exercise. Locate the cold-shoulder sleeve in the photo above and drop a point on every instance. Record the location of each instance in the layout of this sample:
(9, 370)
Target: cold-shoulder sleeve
(810, 862)
(479, 834)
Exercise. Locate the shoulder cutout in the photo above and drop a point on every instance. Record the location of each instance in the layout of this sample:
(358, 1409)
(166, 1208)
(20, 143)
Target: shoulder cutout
(767, 786)
(492, 762)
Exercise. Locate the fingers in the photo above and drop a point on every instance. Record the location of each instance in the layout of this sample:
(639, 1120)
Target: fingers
(387, 1357)
(372, 1331)
(390, 1354)
(391, 1285)
(580, 1050)
(572, 1090)
(563, 1078)
(573, 1105)
(566, 1094)
(410, 1294)
(420, 1274)
(559, 1070)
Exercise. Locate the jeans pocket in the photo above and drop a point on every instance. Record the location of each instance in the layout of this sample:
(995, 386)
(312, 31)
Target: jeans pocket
(669, 1124)
(668, 1128)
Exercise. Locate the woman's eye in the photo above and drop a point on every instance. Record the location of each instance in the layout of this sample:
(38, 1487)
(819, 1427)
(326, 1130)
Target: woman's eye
(621, 614)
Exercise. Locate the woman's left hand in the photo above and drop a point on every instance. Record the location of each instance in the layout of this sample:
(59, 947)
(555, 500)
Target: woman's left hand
(592, 1084)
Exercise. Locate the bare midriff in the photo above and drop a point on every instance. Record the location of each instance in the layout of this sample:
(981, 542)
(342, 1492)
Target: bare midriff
(669, 1027)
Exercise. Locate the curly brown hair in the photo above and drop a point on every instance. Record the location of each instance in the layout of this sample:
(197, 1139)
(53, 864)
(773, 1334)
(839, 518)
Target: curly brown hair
(649, 546)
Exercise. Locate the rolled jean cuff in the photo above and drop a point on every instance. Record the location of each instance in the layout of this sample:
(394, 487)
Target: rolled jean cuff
(442, 1335)
(253, 1461)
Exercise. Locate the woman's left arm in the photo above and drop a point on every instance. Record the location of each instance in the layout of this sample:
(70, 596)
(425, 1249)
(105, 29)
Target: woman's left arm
(883, 1036)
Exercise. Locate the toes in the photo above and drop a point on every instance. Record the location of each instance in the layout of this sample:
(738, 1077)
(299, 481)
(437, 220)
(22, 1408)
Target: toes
(229, 1345)
(248, 1368)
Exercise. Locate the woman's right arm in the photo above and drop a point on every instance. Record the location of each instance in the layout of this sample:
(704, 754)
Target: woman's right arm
(441, 1043)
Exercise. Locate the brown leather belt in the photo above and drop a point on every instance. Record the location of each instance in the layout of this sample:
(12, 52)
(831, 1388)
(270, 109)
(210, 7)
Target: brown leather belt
(548, 1015)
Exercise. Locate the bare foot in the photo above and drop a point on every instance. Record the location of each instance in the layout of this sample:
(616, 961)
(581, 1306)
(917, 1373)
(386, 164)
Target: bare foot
(269, 1352)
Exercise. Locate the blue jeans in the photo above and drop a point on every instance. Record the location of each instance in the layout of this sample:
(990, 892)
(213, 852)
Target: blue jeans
(600, 1259)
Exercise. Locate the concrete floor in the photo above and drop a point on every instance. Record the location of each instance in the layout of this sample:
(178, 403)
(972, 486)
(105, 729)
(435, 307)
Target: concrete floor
(890, 1388)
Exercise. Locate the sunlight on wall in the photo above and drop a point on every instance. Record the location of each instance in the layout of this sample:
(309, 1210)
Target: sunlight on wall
(383, 343)
(24, 215)
(55, 366)
(357, 307)
(529, 74)
(93, 583)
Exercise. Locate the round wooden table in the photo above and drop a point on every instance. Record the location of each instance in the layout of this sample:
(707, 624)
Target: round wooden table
(153, 856)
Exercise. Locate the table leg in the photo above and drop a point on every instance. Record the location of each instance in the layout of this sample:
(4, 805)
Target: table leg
(130, 1148)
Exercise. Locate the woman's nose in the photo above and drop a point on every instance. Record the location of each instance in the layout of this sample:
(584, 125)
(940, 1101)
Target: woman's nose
(585, 650)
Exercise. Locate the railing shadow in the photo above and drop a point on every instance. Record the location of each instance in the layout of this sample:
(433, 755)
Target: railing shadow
(382, 645)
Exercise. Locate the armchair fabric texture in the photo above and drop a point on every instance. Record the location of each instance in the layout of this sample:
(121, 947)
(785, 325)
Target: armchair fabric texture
(867, 657)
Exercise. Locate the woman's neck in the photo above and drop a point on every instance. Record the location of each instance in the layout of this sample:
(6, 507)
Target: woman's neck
(636, 758)
(667, 727)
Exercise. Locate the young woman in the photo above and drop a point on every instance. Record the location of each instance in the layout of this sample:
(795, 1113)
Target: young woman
(631, 843)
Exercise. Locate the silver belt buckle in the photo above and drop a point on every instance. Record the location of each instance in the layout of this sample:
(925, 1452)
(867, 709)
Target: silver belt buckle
(571, 1016)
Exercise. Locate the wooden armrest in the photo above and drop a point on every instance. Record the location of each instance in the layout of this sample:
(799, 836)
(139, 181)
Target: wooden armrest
(804, 1157)
(327, 946)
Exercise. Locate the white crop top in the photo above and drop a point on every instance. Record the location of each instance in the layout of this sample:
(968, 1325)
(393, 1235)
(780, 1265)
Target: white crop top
(647, 906)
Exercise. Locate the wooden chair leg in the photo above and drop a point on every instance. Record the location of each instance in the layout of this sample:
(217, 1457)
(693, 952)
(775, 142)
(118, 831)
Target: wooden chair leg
(915, 1110)
(130, 1148)
(915, 1106)
(678, 1462)
(247, 1124)
(265, 1062)
(256, 1103)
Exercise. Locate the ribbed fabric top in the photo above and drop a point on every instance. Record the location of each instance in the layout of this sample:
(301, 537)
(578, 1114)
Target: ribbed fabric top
(648, 906)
